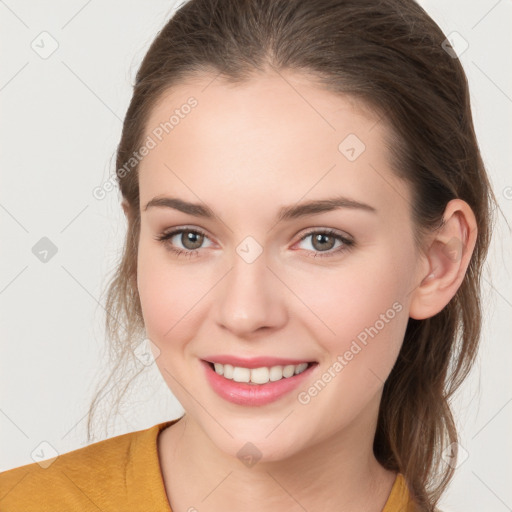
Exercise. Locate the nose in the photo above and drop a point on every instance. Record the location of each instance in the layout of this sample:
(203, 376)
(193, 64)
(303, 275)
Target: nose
(251, 298)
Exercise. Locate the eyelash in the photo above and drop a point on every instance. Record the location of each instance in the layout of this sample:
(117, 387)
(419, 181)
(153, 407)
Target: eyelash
(347, 243)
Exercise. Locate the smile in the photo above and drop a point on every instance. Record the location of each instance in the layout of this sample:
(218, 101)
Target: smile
(255, 386)
(260, 375)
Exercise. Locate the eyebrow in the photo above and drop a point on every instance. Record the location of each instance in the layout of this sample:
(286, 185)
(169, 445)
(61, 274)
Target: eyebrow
(285, 213)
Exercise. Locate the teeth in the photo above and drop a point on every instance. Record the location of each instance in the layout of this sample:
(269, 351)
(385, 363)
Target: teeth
(258, 375)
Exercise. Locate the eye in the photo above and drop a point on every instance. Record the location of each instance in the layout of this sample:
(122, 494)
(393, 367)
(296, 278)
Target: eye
(323, 241)
(191, 239)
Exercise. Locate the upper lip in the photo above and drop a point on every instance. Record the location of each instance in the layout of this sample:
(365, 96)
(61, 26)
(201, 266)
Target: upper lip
(254, 362)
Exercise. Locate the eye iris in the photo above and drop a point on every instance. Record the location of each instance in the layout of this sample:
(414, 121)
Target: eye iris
(193, 237)
(320, 237)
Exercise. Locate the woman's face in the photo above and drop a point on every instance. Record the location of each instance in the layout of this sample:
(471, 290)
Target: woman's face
(251, 283)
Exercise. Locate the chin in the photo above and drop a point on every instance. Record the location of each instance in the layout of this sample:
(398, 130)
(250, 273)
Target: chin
(255, 447)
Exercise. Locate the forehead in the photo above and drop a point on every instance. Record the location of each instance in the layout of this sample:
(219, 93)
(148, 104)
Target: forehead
(275, 137)
(285, 104)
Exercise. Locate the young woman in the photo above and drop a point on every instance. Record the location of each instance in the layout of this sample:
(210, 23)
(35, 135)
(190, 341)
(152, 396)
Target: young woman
(308, 215)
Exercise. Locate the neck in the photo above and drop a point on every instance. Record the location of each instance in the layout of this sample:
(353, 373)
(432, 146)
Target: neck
(339, 472)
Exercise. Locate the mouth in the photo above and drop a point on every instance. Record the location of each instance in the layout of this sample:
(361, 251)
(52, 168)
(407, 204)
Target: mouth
(261, 375)
(256, 386)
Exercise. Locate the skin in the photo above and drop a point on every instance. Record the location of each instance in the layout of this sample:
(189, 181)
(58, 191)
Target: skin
(245, 151)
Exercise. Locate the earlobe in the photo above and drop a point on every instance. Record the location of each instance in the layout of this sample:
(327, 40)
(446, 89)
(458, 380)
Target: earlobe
(448, 255)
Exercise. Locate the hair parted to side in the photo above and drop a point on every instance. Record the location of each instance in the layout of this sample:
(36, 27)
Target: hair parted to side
(389, 55)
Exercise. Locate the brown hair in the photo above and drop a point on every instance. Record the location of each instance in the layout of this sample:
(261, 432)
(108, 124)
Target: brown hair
(390, 55)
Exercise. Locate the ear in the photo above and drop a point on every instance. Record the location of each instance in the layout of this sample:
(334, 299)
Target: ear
(127, 209)
(447, 258)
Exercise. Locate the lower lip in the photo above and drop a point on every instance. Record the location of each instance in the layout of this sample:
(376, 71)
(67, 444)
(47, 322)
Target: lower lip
(242, 393)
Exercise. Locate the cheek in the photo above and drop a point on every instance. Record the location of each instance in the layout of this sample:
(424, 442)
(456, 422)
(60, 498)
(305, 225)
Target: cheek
(362, 308)
(167, 294)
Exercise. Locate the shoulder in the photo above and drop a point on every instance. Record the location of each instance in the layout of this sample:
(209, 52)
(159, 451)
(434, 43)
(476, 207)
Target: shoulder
(62, 478)
(86, 478)
(400, 498)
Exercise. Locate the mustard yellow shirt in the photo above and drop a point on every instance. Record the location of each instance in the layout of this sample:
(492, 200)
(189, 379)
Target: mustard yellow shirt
(118, 474)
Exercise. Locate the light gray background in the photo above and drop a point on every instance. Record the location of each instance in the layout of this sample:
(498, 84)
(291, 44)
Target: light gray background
(61, 121)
